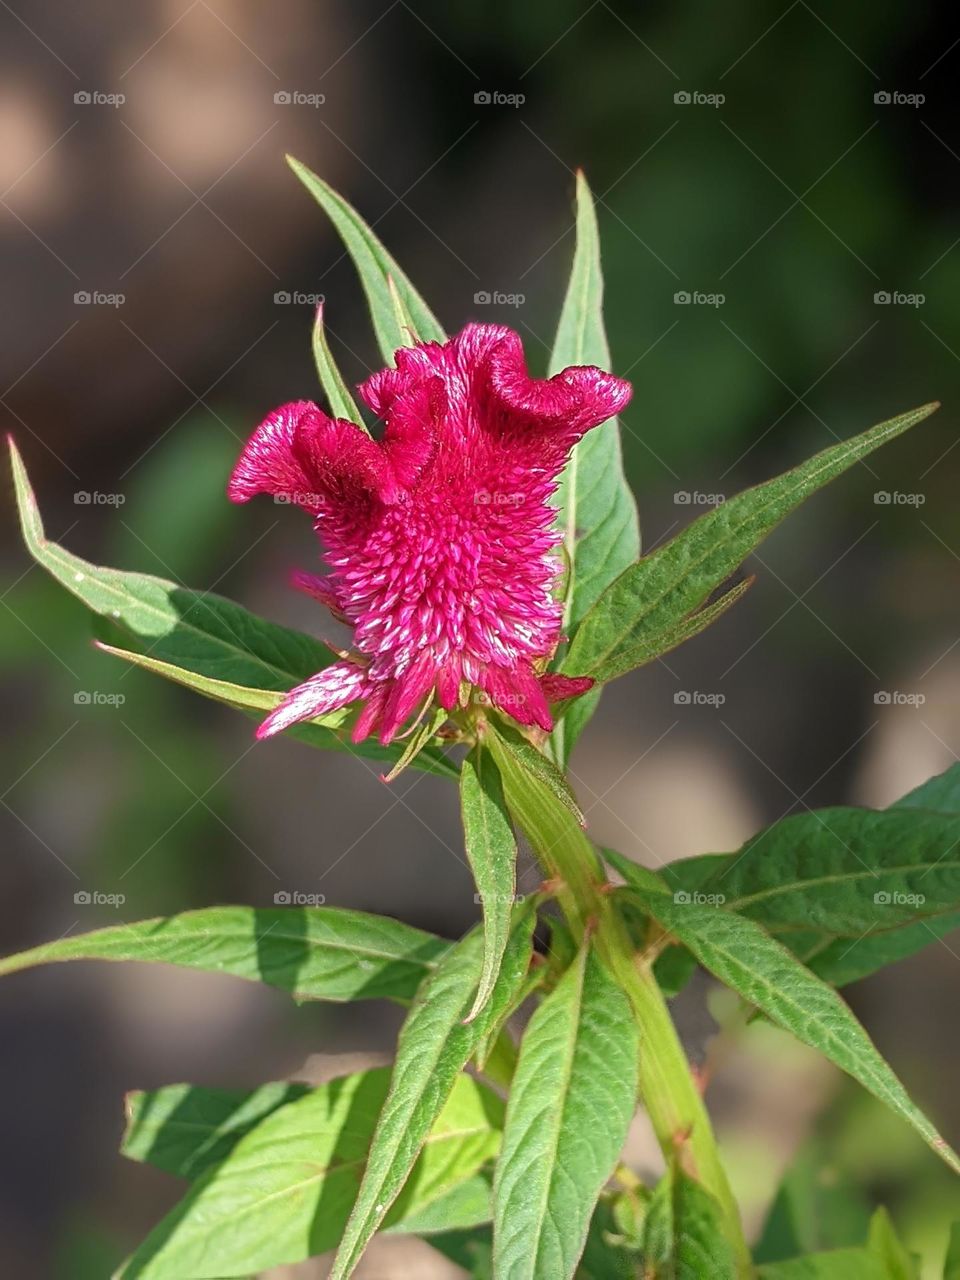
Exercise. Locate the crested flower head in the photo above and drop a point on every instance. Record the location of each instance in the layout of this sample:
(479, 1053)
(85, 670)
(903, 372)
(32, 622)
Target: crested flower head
(440, 536)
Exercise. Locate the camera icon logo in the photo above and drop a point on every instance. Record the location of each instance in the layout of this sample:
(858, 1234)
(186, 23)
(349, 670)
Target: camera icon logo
(82, 298)
(82, 698)
(882, 298)
(282, 898)
(82, 898)
(681, 898)
(682, 298)
(282, 298)
(282, 98)
(482, 98)
(82, 498)
(682, 98)
(682, 698)
(481, 298)
(681, 498)
(882, 698)
(882, 899)
(882, 98)
(82, 98)
(882, 498)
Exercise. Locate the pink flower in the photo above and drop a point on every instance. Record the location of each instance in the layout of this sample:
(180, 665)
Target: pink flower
(440, 537)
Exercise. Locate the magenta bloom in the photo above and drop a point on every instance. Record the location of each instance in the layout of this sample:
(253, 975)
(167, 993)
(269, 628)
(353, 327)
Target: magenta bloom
(440, 537)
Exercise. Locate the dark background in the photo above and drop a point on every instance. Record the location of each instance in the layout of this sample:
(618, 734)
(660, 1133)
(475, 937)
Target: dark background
(798, 198)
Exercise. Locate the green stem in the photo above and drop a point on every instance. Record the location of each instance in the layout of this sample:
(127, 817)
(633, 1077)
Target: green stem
(668, 1089)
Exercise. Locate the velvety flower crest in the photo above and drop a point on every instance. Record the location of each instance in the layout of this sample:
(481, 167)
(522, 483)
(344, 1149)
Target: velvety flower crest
(440, 536)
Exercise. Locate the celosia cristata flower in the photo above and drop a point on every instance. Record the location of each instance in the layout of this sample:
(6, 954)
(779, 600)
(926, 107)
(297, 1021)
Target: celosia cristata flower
(440, 537)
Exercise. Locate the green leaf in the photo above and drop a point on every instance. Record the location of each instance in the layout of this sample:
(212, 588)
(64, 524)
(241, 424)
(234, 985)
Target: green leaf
(598, 515)
(605, 1256)
(466, 1206)
(339, 400)
(838, 1264)
(284, 1191)
(653, 597)
(402, 315)
(684, 1237)
(843, 871)
(886, 1247)
(941, 793)
(374, 266)
(314, 953)
(571, 1102)
(186, 1129)
(492, 852)
(196, 638)
(818, 1206)
(514, 753)
(741, 954)
(434, 1046)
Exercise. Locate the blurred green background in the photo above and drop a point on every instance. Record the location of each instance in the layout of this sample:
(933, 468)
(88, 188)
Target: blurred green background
(739, 153)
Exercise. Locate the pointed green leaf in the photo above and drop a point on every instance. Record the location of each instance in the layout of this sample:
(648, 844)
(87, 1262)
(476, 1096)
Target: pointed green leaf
(492, 852)
(654, 596)
(314, 953)
(196, 638)
(941, 792)
(434, 1046)
(598, 515)
(464, 1207)
(884, 1244)
(570, 1105)
(402, 315)
(283, 1192)
(374, 266)
(683, 1235)
(516, 755)
(742, 955)
(339, 400)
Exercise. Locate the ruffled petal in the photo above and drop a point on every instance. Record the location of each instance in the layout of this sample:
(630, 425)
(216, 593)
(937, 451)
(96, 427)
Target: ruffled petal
(408, 690)
(322, 589)
(269, 464)
(516, 692)
(327, 691)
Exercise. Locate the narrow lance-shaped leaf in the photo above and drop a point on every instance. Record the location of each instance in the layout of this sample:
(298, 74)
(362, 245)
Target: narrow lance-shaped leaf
(683, 1237)
(744, 956)
(598, 515)
(434, 1045)
(654, 596)
(492, 852)
(374, 265)
(283, 1192)
(339, 400)
(571, 1101)
(198, 639)
(314, 953)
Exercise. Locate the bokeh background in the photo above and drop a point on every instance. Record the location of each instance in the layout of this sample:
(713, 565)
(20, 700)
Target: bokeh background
(141, 162)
